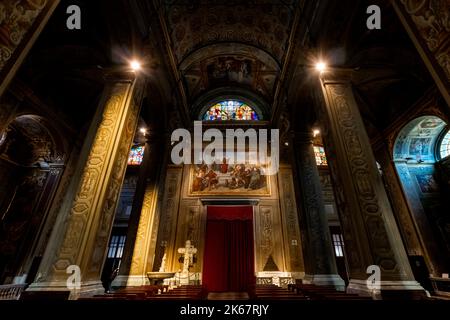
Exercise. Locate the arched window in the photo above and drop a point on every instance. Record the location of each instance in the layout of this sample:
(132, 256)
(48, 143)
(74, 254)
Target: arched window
(230, 110)
(445, 146)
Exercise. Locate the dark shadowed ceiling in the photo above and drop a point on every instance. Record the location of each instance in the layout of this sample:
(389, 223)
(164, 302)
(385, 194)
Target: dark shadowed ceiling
(196, 51)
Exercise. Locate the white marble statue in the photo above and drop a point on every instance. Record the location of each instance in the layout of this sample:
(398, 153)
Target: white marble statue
(163, 263)
(188, 252)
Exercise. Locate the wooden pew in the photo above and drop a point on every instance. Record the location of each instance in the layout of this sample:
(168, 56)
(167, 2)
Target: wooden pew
(45, 295)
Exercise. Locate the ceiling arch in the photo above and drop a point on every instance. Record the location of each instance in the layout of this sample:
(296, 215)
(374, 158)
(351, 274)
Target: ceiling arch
(30, 139)
(265, 25)
(417, 140)
(229, 65)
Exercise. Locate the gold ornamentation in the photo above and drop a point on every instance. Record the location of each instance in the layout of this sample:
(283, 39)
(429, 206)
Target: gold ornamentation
(16, 19)
(432, 20)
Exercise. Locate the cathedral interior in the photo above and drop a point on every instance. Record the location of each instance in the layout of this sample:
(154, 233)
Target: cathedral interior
(93, 205)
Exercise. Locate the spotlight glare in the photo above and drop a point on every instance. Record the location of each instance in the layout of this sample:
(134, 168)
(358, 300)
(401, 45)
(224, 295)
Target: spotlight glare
(316, 132)
(321, 66)
(135, 65)
(143, 130)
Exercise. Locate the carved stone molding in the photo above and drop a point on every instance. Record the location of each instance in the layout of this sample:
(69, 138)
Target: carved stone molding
(82, 239)
(190, 227)
(292, 239)
(21, 22)
(369, 229)
(168, 219)
(144, 231)
(268, 235)
(266, 228)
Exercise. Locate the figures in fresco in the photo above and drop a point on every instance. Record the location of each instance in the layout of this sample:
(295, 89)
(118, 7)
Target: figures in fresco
(224, 166)
(198, 180)
(255, 178)
(211, 180)
(225, 177)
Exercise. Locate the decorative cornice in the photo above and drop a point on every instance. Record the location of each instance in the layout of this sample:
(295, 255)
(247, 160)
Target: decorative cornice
(229, 201)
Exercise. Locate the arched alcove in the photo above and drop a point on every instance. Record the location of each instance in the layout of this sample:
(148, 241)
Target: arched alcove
(32, 159)
(417, 159)
(419, 139)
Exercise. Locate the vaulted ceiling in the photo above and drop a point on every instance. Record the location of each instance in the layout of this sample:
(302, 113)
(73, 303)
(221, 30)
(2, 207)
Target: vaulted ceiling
(230, 48)
(198, 50)
(216, 45)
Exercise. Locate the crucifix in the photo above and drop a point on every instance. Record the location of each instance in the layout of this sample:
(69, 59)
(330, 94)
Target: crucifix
(188, 258)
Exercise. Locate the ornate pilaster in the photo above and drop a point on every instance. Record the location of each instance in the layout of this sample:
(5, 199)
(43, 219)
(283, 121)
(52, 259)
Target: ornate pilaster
(164, 235)
(142, 219)
(398, 201)
(80, 236)
(321, 268)
(21, 22)
(428, 25)
(369, 228)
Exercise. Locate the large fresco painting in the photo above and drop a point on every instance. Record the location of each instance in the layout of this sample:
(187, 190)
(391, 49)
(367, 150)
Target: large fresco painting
(222, 178)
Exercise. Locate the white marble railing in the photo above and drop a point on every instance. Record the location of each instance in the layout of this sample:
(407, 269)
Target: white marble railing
(11, 291)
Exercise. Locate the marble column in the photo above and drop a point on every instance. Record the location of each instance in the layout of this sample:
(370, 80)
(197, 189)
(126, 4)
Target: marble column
(21, 25)
(321, 268)
(428, 25)
(133, 265)
(81, 233)
(369, 229)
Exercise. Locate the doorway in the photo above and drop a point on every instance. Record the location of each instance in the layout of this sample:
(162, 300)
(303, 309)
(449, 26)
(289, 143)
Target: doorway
(229, 254)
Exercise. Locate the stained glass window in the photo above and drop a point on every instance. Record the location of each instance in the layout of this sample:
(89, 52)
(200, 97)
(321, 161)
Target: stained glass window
(136, 155)
(230, 110)
(445, 145)
(321, 158)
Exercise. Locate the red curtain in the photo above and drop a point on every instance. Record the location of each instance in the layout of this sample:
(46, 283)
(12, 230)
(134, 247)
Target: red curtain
(229, 257)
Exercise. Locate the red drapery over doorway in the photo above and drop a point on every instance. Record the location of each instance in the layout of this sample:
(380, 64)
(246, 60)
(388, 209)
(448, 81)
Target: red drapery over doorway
(228, 264)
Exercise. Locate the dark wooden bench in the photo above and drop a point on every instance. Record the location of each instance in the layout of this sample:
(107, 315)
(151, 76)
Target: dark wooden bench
(45, 295)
